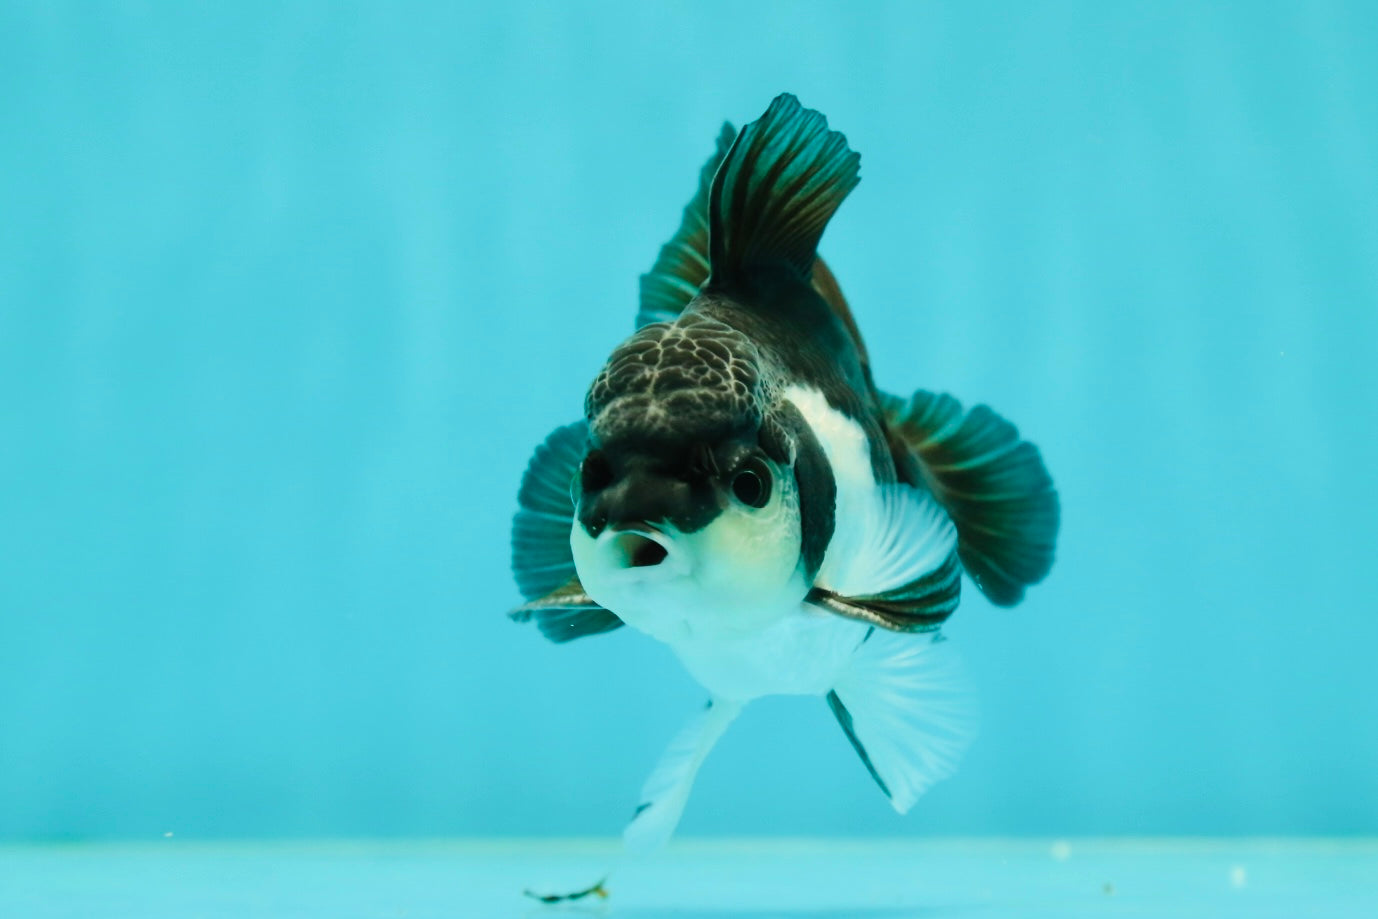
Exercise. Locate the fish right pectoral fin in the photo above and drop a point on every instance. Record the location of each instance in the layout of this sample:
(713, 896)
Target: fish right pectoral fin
(567, 613)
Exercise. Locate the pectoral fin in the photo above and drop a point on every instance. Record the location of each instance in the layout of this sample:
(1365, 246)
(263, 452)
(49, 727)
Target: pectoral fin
(567, 613)
(898, 569)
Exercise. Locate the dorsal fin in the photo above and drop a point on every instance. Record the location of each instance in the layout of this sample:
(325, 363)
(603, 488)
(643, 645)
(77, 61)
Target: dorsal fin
(682, 265)
(781, 182)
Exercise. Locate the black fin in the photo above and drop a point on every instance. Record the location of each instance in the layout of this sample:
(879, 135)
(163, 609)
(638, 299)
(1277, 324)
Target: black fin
(994, 485)
(682, 266)
(566, 613)
(844, 720)
(919, 606)
(541, 558)
(783, 179)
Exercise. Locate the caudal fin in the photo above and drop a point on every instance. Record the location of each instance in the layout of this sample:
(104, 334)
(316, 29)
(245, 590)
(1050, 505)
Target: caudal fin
(993, 484)
(781, 182)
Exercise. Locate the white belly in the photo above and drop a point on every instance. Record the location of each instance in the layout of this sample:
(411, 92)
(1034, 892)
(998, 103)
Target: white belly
(802, 653)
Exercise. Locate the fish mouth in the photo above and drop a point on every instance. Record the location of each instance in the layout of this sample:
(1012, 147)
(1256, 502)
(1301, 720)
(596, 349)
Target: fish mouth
(638, 545)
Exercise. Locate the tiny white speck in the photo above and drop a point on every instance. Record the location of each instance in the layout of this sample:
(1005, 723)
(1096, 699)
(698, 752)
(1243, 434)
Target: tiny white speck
(168, 834)
(1061, 850)
(1238, 876)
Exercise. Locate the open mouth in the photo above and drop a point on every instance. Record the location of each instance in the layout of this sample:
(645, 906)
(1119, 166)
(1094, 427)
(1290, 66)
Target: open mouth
(639, 548)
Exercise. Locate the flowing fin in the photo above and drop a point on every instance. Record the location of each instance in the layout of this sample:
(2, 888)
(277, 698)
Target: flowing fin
(567, 613)
(993, 484)
(904, 704)
(897, 569)
(781, 182)
(541, 558)
(682, 266)
(666, 791)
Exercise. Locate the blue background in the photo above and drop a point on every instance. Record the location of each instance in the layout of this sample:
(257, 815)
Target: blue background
(288, 292)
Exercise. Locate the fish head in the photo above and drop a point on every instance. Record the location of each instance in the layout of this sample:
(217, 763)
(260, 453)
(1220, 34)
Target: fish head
(687, 518)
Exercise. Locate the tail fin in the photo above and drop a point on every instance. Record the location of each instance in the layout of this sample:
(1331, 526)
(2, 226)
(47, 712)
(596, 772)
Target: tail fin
(783, 179)
(993, 484)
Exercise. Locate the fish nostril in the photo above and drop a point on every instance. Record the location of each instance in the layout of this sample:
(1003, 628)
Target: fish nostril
(636, 551)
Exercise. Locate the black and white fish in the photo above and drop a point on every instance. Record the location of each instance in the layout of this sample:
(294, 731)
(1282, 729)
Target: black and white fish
(739, 488)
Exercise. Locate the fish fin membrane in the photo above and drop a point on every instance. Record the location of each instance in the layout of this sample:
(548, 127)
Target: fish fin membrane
(682, 265)
(994, 485)
(542, 561)
(783, 179)
(567, 613)
(905, 704)
(667, 789)
(897, 568)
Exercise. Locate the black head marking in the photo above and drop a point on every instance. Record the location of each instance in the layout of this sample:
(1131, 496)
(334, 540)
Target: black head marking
(675, 417)
(697, 380)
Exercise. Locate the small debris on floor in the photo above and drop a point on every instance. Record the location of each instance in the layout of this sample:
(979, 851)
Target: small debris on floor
(597, 890)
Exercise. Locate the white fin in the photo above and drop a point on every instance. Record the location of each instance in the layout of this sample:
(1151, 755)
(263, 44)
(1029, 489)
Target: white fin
(904, 535)
(666, 791)
(907, 708)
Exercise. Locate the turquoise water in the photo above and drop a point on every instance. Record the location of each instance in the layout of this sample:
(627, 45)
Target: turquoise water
(288, 293)
(747, 879)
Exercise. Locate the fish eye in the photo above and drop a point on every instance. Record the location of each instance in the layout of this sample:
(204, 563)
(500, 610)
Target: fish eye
(751, 485)
(595, 474)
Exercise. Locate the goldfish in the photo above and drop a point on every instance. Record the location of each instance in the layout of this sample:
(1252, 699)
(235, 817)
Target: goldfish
(739, 489)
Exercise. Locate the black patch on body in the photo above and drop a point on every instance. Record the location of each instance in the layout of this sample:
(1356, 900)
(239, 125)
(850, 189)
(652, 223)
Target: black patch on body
(817, 486)
(808, 342)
